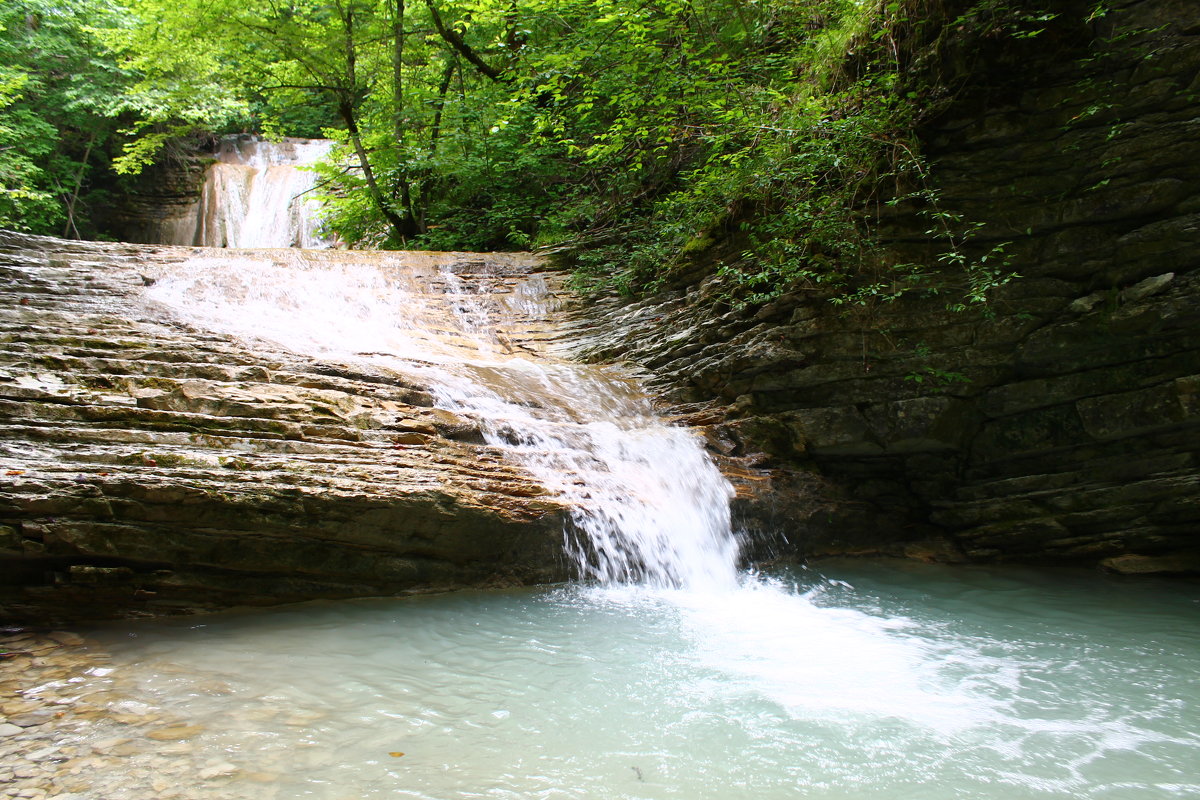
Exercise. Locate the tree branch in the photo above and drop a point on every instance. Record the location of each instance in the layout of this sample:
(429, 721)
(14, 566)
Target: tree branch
(465, 50)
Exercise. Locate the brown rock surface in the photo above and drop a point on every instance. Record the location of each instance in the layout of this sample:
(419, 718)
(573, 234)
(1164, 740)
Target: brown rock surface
(147, 466)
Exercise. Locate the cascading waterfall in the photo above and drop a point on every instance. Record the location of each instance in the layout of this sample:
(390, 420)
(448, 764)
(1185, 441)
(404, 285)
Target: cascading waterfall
(650, 507)
(256, 195)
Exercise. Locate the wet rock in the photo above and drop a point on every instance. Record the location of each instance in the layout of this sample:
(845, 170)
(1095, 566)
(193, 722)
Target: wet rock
(1133, 564)
(15, 707)
(1143, 289)
(32, 718)
(1085, 304)
(45, 754)
(107, 746)
(153, 468)
(218, 769)
(174, 733)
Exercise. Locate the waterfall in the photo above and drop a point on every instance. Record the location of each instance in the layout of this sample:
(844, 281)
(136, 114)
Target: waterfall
(254, 195)
(649, 505)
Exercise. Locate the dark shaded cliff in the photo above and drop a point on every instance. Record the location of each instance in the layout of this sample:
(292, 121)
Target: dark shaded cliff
(161, 203)
(1059, 424)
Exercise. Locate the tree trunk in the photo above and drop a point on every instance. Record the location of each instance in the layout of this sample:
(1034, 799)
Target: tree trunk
(398, 124)
(401, 227)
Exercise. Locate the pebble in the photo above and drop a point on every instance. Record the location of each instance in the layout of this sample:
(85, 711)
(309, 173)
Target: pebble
(44, 754)
(262, 777)
(39, 716)
(173, 733)
(67, 638)
(55, 690)
(107, 745)
(129, 748)
(303, 718)
(217, 770)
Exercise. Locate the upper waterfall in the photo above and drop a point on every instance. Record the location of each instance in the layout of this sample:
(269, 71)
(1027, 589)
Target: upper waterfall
(256, 195)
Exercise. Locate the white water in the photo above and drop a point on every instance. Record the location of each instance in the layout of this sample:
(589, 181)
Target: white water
(650, 505)
(256, 195)
(871, 682)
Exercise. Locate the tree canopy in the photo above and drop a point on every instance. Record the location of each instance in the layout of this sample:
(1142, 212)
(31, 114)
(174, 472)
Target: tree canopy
(644, 128)
(60, 95)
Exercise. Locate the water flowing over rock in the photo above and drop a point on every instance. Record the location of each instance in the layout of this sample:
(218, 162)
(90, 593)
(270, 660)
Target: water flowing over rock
(235, 191)
(647, 502)
(151, 464)
(255, 196)
(196, 428)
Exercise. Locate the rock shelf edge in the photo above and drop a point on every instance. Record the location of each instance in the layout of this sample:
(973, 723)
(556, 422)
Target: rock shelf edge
(149, 468)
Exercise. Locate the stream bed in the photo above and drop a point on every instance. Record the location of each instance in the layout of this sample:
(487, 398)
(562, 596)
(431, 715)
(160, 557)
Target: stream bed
(848, 680)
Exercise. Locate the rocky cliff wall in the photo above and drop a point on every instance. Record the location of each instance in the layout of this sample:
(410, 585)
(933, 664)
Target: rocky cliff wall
(149, 467)
(161, 203)
(1062, 423)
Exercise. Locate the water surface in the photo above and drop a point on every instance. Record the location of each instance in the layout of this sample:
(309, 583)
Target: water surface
(673, 676)
(857, 679)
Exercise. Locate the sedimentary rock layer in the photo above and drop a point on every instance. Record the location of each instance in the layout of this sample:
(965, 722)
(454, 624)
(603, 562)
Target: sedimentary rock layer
(147, 466)
(1060, 423)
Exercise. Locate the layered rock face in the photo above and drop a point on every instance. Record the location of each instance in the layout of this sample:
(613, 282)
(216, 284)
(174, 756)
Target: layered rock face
(159, 205)
(148, 466)
(1062, 423)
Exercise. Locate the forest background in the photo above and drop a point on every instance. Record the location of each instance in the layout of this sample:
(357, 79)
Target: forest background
(633, 135)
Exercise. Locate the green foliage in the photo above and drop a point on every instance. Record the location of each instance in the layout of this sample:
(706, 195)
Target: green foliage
(737, 122)
(58, 93)
(1010, 19)
(197, 64)
(644, 135)
(936, 380)
(933, 379)
(701, 121)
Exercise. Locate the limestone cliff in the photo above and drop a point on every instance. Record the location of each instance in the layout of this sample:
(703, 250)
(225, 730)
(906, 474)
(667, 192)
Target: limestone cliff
(161, 203)
(1062, 423)
(148, 466)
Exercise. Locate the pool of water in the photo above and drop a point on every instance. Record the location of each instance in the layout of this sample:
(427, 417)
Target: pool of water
(851, 680)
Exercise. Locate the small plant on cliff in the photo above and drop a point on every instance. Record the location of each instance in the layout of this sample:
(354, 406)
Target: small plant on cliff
(935, 379)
